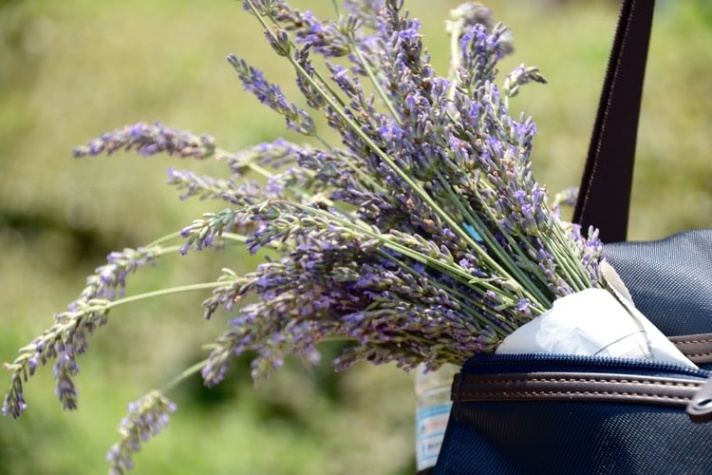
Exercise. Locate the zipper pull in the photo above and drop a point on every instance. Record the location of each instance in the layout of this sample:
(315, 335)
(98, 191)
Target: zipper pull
(700, 407)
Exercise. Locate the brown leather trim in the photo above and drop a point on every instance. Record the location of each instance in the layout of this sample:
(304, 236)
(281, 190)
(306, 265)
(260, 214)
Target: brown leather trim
(698, 348)
(546, 386)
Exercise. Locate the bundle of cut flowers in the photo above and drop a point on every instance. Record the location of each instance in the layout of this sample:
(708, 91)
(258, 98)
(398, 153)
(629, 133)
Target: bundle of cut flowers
(419, 234)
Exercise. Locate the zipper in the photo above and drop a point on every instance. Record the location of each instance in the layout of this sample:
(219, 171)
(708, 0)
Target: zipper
(700, 408)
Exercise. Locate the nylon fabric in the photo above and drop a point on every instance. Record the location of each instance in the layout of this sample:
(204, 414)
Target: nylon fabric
(671, 283)
(550, 438)
(670, 280)
(568, 438)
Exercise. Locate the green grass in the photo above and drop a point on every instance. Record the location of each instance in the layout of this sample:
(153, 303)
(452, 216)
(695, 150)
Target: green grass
(71, 70)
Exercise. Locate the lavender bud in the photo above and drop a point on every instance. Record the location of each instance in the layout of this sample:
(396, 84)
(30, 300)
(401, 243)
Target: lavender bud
(279, 41)
(146, 418)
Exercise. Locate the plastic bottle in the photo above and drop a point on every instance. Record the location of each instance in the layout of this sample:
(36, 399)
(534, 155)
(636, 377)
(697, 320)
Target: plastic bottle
(432, 390)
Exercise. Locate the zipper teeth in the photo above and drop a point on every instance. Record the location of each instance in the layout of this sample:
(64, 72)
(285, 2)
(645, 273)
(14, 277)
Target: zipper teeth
(535, 362)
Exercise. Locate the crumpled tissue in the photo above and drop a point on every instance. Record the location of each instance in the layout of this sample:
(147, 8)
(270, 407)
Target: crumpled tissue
(595, 321)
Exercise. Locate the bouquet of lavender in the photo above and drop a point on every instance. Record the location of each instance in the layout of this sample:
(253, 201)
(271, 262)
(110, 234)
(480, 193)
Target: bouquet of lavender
(422, 237)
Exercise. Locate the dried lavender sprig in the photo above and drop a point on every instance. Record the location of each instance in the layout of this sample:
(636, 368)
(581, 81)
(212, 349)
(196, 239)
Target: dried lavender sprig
(110, 278)
(66, 340)
(204, 232)
(264, 7)
(442, 246)
(301, 53)
(67, 337)
(492, 244)
(242, 338)
(464, 18)
(367, 12)
(326, 37)
(276, 154)
(150, 139)
(205, 187)
(404, 176)
(271, 95)
(477, 309)
(154, 138)
(412, 246)
(480, 52)
(242, 196)
(228, 294)
(146, 418)
(266, 92)
(301, 182)
(365, 64)
(62, 342)
(222, 353)
(384, 156)
(566, 197)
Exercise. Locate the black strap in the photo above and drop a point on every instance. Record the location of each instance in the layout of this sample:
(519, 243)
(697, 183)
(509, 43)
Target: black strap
(604, 193)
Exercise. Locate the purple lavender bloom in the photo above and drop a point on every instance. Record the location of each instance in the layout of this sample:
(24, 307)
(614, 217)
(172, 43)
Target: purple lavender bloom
(422, 238)
(263, 7)
(14, 402)
(205, 187)
(279, 41)
(369, 14)
(324, 36)
(146, 418)
(150, 139)
(65, 368)
(203, 232)
(271, 95)
(110, 278)
(277, 154)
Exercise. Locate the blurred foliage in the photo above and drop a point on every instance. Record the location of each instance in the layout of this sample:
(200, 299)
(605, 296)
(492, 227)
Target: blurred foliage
(71, 70)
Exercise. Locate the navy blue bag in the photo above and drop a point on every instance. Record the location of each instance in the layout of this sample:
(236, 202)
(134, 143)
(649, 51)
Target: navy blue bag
(559, 414)
(541, 414)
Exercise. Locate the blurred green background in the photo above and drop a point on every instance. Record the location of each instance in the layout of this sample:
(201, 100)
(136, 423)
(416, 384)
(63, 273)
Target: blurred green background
(71, 70)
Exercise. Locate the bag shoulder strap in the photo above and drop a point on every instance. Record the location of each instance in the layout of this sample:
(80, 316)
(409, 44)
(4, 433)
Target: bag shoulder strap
(604, 193)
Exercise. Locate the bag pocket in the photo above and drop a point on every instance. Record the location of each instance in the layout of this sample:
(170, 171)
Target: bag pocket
(543, 414)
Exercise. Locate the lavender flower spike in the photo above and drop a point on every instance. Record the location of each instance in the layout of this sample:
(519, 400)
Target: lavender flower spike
(14, 403)
(271, 95)
(150, 139)
(67, 338)
(146, 418)
(415, 231)
(111, 277)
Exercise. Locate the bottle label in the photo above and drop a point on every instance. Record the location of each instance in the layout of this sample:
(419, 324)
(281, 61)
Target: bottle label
(430, 423)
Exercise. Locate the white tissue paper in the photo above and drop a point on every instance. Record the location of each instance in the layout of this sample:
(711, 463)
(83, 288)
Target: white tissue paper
(595, 322)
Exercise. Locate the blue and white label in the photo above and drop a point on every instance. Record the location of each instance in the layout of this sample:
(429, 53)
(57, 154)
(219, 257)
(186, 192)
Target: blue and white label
(430, 424)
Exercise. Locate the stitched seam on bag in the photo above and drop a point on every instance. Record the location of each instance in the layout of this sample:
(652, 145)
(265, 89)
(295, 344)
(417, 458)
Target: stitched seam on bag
(511, 394)
(698, 354)
(689, 342)
(651, 382)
